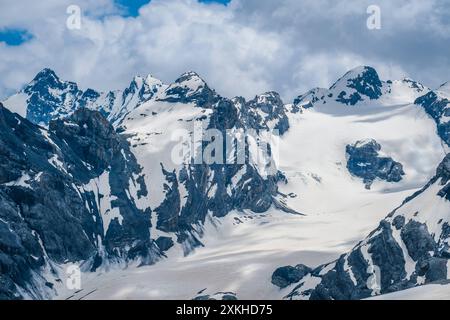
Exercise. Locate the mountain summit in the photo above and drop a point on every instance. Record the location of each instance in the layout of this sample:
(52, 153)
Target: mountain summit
(47, 97)
(356, 84)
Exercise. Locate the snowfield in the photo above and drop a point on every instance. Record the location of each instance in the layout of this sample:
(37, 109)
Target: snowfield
(240, 254)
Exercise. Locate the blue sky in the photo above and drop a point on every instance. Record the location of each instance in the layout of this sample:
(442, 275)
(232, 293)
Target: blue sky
(14, 37)
(217, 1)
(244, 47)
(132, 6)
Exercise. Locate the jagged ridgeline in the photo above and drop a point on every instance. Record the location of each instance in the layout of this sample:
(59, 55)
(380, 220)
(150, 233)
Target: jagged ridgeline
(74, 191)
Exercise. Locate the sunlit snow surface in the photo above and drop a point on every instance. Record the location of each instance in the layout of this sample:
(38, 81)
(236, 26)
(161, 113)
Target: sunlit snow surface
(427, 292)
(242, 250)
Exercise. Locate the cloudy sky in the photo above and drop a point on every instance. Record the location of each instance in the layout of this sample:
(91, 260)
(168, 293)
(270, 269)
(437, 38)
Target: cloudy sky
(240, 47)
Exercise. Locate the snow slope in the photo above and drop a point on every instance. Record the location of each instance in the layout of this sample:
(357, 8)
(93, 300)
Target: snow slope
(427, 292)
(239, 255)
(312, 154)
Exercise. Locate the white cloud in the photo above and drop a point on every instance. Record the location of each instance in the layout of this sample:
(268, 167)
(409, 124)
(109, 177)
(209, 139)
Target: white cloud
(243, 49)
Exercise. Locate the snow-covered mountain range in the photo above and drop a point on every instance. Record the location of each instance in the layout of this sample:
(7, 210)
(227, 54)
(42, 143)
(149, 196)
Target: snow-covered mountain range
(89, 178)
(48, 97)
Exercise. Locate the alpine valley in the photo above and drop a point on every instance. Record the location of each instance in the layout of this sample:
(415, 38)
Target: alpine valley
(358, 205)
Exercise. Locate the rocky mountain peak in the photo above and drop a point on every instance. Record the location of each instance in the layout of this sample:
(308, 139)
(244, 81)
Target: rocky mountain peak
(365, 74)
(188, 76)
(190, 88)
(358, 83)
(270, 97)
(46, 74)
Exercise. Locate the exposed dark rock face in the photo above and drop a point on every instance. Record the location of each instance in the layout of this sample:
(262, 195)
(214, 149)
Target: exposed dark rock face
(47, 215)
(417, 239)
(190, 88)
(439, 109)
(94, 140)
(164, 243)
(285, 276)
(168, 211)
(264, 109)
(365, 162)
(38, 204)
(364, 82)
(90, 136)
(401, 253)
